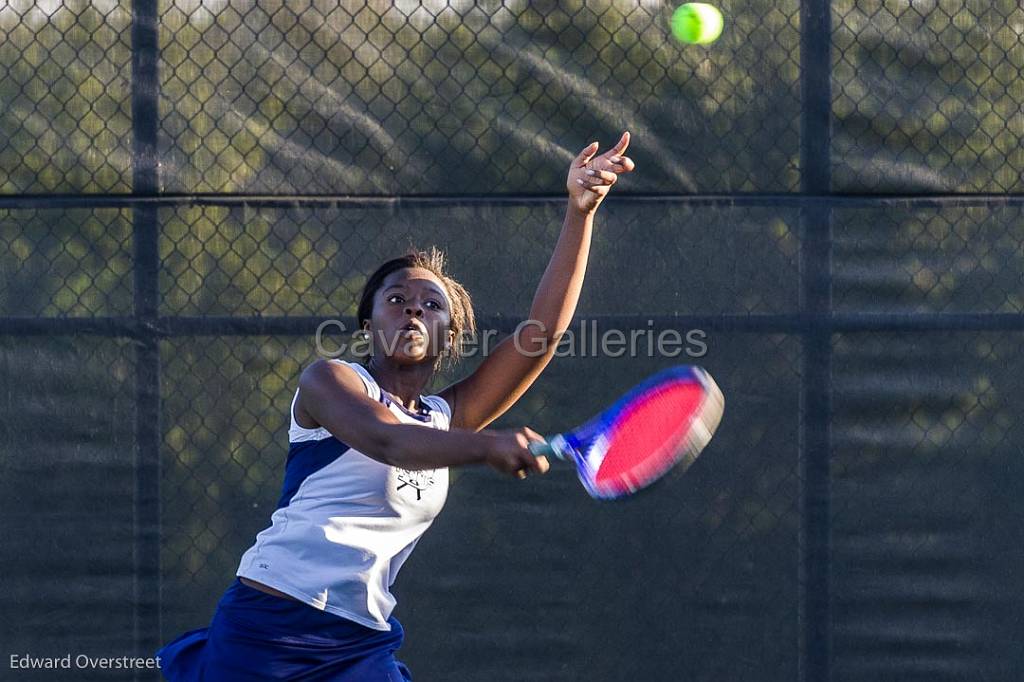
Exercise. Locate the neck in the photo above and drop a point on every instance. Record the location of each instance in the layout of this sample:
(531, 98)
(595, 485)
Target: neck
(404, 382)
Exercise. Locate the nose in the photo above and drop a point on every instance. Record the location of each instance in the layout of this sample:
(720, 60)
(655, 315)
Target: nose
(414, 310)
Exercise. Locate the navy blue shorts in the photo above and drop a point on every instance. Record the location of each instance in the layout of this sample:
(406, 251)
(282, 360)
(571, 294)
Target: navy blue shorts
(257, 636)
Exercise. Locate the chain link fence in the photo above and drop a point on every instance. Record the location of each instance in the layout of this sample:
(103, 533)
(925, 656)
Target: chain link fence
(187, 189)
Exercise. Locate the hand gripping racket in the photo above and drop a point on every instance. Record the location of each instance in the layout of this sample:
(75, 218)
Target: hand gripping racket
(660, 424)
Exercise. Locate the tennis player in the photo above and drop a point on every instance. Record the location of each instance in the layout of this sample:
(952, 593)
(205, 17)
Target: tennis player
(364, 479)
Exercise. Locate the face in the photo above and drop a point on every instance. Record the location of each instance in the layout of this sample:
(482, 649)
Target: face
(411, 317)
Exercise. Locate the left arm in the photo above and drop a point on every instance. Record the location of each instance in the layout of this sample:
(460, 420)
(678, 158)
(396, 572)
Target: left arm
(505, 375)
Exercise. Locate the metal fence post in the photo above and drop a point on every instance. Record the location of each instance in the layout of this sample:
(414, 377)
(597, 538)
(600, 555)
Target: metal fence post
(145, 180)
(815, 271)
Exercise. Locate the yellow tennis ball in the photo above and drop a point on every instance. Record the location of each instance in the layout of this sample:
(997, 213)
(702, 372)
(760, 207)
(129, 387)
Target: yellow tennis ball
(697, 23)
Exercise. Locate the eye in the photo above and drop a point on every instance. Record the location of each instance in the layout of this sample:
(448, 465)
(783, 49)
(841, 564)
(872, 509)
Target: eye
(437, 306)
(394, 296)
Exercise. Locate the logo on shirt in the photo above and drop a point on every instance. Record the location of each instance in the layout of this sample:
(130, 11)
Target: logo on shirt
(415, 480)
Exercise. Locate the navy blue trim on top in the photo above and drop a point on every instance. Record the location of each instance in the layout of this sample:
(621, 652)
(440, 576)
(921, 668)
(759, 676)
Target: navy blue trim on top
(422, 414)
(305, 459)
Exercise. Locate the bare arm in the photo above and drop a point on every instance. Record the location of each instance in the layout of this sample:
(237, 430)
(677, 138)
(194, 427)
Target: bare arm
(333, 395)
(505, 375)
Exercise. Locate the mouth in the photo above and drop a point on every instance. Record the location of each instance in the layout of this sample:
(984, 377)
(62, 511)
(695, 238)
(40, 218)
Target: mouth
(412, 329)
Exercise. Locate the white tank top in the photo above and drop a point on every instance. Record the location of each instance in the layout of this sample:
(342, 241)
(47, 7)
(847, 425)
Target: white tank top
(346, 523)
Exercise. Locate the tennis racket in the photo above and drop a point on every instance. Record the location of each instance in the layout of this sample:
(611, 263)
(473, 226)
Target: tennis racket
(661, 424)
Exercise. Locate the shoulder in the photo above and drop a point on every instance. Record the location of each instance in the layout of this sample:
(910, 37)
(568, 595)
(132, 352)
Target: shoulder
(334, 373)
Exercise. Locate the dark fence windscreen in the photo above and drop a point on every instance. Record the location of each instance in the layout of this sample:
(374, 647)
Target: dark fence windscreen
(828, 198)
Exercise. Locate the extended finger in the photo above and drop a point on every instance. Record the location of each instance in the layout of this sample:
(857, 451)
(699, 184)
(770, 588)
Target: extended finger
(620, 147)
(542, 465)
(586, 155)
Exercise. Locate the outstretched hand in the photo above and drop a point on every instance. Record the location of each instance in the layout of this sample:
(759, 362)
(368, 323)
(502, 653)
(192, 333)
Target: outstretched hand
(591, 177)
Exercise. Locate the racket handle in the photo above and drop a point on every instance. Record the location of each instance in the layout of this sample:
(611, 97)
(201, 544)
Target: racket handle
(554, 447)
(541, 449)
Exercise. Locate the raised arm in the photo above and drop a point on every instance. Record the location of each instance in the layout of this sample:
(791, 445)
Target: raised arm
(333, 396)
(514, 364)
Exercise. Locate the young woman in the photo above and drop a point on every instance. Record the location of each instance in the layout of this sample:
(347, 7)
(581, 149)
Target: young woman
(364, 479)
